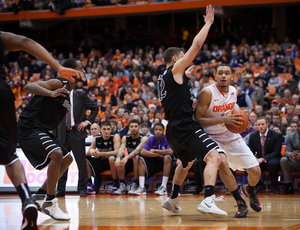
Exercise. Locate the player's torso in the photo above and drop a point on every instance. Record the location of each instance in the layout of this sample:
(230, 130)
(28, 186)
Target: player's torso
(131, 143)
(220, 104)
(104, 145)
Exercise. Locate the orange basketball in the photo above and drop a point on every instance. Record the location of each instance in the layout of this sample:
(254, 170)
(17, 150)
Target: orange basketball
(241, 128)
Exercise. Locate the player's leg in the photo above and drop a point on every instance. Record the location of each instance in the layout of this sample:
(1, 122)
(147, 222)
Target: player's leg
(230, 182)
(122, 186)
(166, 173)
(16, 174)
(141, 190)
(56, 168)
(208, 206)
(90, 190)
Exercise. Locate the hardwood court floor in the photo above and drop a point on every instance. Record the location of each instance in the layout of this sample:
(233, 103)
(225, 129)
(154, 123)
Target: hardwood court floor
(107, 212)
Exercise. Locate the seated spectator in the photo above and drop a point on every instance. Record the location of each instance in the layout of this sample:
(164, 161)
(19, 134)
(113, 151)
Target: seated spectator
(266, 146)
(120, 127)
(287, 98)
(240, 81)
(109, 98)
(259, 111)
(101, 157)
(275, 81)
(152, 110)
(94, 131)
(145, 130)
(257, 94)
(277, 130)
(248, 88)
(277, 121)
(291, 160)
(293, 128)
(155, 157)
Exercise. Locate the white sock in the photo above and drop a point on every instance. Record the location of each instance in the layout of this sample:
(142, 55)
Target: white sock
(165, 181)
(142, 181)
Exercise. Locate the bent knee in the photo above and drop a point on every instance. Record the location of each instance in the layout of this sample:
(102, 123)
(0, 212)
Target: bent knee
(167, 159)
(57, 155)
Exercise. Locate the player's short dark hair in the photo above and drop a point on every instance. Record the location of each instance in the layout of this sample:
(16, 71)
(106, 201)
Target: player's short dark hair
(70, 63)
(134, 121)
(105, 123)
(225, 64)
(159, 124)
(169, 53)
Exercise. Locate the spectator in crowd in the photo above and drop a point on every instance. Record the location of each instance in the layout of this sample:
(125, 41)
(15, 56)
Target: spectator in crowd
(257, 94)
(291, 160)
(94, 131)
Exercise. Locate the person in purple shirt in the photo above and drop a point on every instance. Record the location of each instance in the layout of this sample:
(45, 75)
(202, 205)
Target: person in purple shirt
(155, 157)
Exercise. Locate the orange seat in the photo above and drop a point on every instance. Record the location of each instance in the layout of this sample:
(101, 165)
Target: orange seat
(283, 150)
(272, 90)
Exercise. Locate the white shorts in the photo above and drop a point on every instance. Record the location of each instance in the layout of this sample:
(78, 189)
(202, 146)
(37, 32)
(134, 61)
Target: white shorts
(238, 154)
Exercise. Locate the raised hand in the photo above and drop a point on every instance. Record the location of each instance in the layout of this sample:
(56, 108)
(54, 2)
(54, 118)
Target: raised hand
(209, 17)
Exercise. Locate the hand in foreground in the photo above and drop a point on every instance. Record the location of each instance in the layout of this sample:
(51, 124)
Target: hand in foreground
(60, 92)
(209, 17)
(69, 74)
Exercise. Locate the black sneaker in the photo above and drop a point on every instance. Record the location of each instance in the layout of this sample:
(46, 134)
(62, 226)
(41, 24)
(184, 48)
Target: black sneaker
(29, 215)
(242, 210)
(254, 201)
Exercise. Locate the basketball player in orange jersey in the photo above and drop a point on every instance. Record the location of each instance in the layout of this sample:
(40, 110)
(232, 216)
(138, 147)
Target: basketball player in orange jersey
(213, 112)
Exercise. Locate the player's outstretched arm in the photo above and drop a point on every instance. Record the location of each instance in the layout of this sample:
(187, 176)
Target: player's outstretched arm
(51, 88)
(198, 41)
(13, 42)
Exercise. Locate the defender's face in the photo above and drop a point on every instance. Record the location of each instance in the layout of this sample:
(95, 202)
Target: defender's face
(134, 128)
(224, 76)
(106, 131)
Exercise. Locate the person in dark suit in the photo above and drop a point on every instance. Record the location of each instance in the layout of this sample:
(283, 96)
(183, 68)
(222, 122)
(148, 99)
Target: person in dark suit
(266, 145)
(71, 133)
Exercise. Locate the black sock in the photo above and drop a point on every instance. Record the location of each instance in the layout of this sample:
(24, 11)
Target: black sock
(136, 181)
(260, 183)
(237, 196)
(209, 190)
(250, 189)
(90, 181)
(116, 181)
(122, 181)
(41, 191)
(50, 197)
(24, 192)
(175, 191)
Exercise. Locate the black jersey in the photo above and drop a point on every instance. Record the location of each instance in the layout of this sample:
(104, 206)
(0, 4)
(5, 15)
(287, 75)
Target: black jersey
(131, 143)
(2, 72)
(47, 112)
(104, 145)
(177, 99)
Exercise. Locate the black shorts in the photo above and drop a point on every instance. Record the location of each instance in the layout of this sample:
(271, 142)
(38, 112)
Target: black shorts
(129, 166)
(8, 125)
(37, 143)
(154, 165)
(98, 164)
(188, 140)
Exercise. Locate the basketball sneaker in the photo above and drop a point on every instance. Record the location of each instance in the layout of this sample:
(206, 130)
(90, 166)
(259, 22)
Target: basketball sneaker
(171, 205)
(161, 191)
(39, 200)
(114, 188)
(208, 206)
(133, 188)
(50, 208)
(139, 191)
(29, 210)
(121, 190)
(90, 190)
(254, 201)
(242, 210)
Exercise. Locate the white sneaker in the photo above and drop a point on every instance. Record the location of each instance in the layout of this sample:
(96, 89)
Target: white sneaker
(171, 205)
(208, 206)
(161, 191)
(50, 208)
(121, 190)
(139, 191)
(133, 188)
(39, 200)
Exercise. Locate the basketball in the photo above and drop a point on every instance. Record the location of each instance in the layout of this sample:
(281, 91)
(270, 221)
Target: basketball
(241, 128)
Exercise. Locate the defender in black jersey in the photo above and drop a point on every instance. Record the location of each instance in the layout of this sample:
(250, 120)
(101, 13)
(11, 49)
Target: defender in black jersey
(129, 163)
(8, 127)
(101, 156)
(43, 114)
(185, 136)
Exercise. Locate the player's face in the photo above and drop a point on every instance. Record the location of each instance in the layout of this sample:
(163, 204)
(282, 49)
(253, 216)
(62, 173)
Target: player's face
(158, 132)
(261, 125)
(224, 76)
(105, 131)
(134, 128)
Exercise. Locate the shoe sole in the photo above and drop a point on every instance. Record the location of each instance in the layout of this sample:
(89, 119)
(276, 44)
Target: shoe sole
(160, 194)
(48, 214)
(167, 206)
(236, 216)
(217, 215)
(30, 216)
